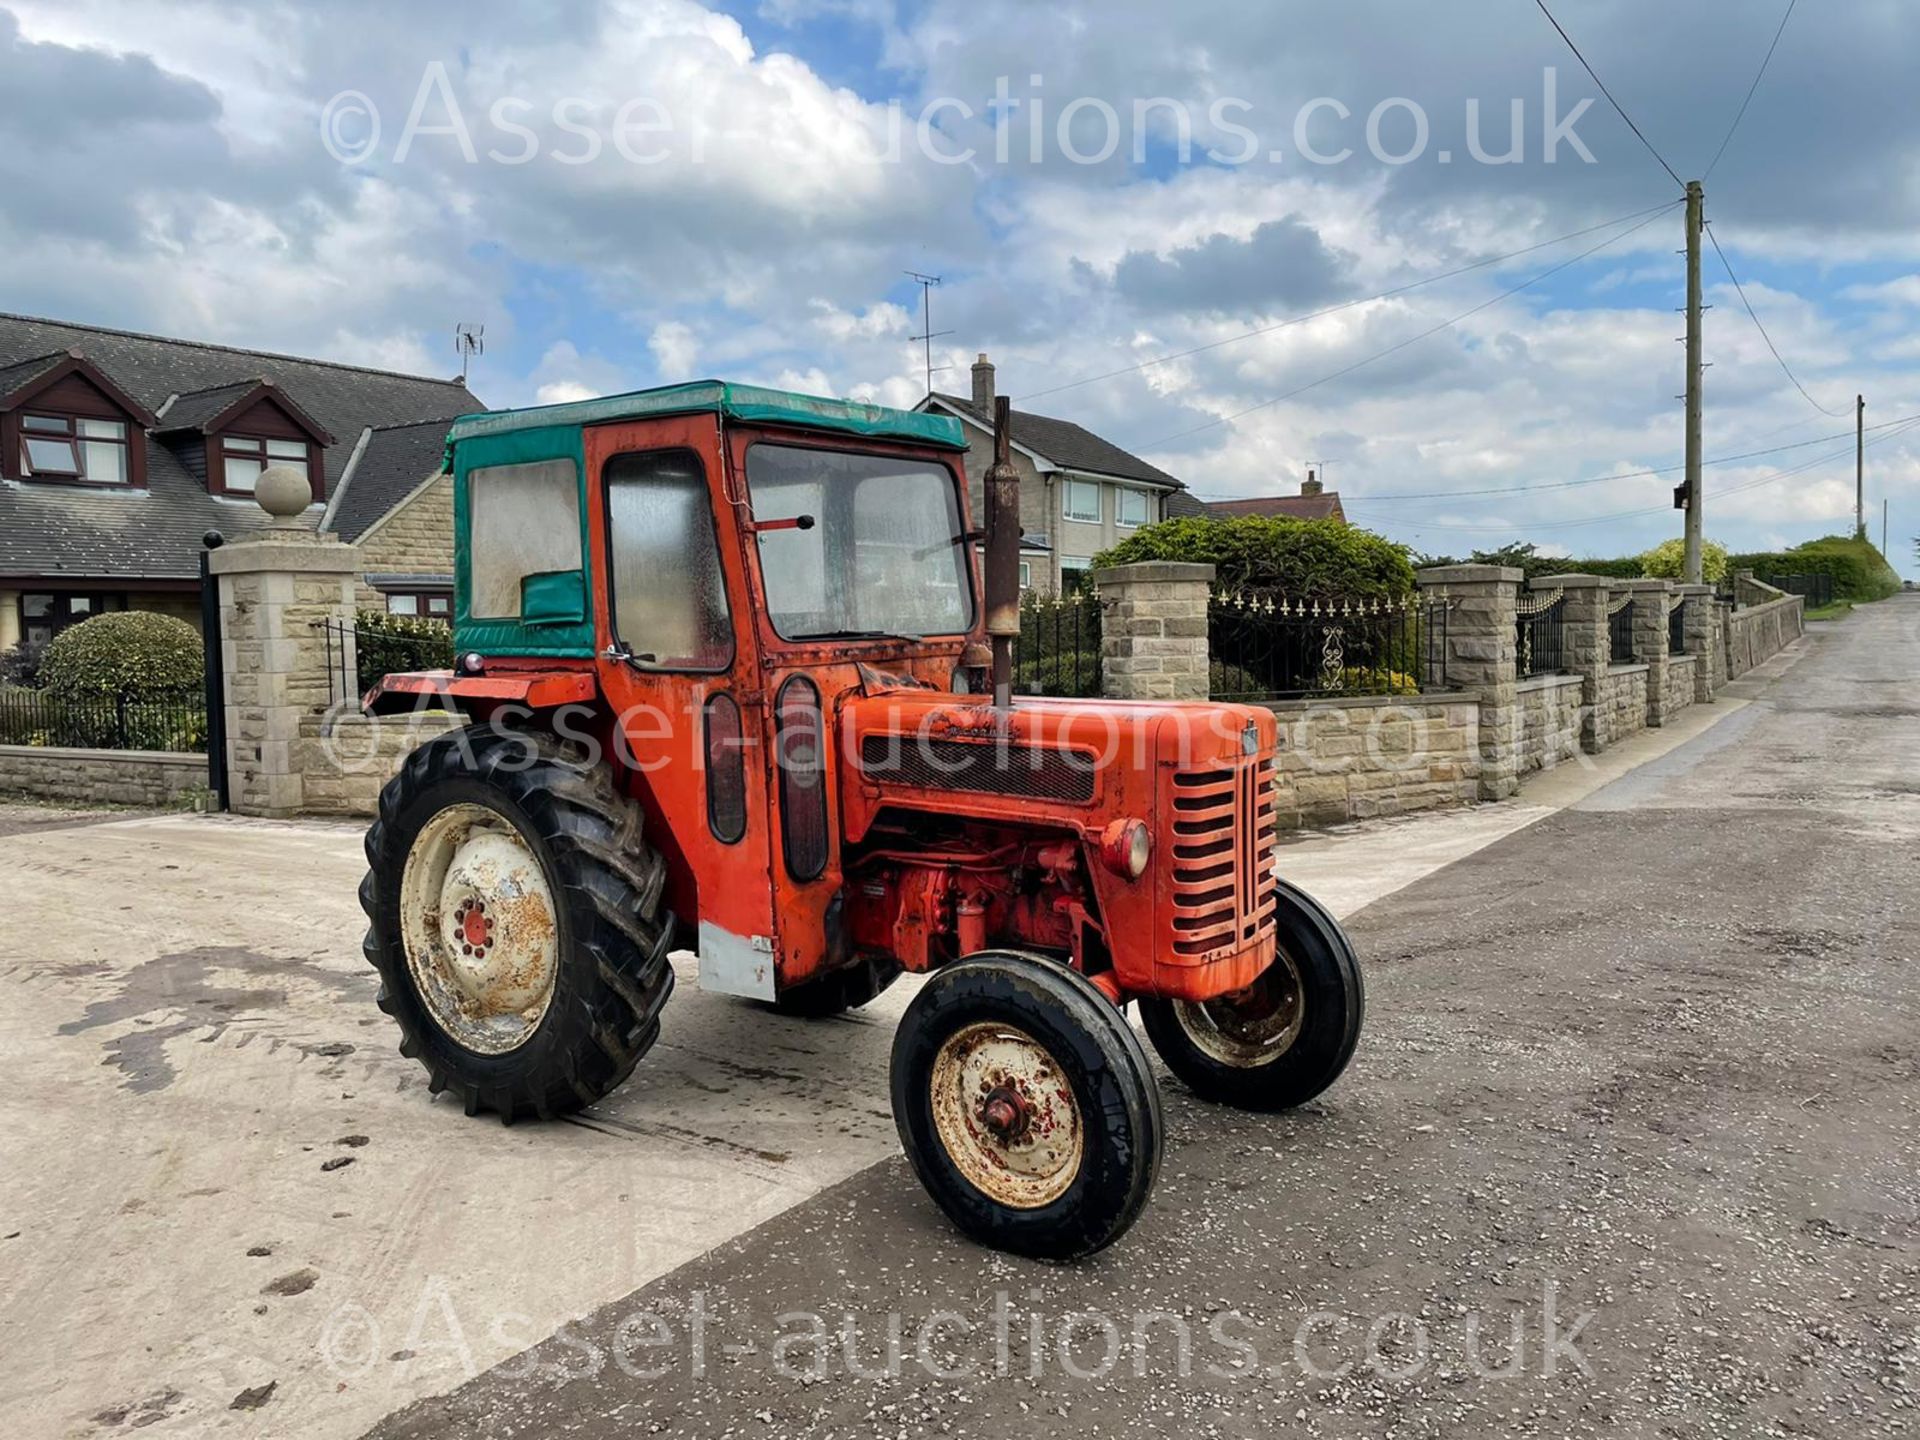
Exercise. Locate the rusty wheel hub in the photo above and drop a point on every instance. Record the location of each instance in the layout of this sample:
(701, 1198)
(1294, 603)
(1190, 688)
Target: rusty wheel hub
(1250, 1027)
(478, 920)
(1006, 1115)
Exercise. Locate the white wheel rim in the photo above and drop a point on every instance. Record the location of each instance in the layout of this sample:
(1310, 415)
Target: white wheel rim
(1252, 1027)
(479, 927)
(1006, 1116)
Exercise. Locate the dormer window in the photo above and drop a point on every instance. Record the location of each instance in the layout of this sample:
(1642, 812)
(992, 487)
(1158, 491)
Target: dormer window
(73, 447)
(243, 457)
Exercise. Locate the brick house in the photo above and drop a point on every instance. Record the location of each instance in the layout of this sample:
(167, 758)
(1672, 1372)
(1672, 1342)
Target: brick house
(119, 451)
(1314, 502)
(397, 506)
(1079, 494)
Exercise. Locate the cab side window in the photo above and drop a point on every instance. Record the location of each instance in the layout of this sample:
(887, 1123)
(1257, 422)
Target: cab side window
(669, 600)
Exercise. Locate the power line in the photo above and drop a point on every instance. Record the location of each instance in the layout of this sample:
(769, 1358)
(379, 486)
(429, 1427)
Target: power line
(1417, 523)
(1623, 475)
(1741, 290)
(1343, 305)
(1750, 90)
(1413, 339)
(1609, 94)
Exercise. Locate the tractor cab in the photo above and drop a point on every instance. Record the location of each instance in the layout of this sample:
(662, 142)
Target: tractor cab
(725, 654)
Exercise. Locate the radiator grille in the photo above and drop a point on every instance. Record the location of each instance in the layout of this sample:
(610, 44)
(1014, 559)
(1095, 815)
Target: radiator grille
(1224, 892)
(1027, 772)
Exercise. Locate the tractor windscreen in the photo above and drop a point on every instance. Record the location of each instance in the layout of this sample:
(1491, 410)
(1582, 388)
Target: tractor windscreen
(878, 550)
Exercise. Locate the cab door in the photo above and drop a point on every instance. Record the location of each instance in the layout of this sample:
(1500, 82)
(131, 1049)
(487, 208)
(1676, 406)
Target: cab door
(679, 668)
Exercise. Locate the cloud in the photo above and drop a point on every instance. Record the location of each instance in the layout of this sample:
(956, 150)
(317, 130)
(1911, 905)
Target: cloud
(1283, 262)
(674, 348)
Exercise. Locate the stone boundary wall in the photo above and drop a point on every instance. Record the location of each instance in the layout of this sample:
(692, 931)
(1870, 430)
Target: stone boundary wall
(1358, 757)
(158, 779)
(1551, 714)
(1680, 684)
(1756, 635)
(1623, 694)
(346, 757)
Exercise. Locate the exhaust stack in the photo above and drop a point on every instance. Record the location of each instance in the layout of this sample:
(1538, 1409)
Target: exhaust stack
(1003, 552)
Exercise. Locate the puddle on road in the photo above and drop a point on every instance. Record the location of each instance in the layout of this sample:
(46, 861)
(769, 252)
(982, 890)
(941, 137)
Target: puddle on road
(184, 985)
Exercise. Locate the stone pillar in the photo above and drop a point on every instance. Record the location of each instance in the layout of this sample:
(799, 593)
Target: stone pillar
(1702, 619)
(1650, 641)
(1153, 630)
(276, 588)
(1482, 654)
(1584, 644)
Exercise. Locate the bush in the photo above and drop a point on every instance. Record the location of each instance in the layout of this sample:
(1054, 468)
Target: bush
(395, 644)
(1066, 672)
(1860, 572)
(20, 666)
(128, 655)
(1525, 557)
(1302, 559)
(1668, 561)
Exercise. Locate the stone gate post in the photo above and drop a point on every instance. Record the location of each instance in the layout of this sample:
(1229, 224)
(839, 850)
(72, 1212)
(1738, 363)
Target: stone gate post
(1482, 654)
(1153, 630)
(1701, 623)
(1650, 641)
(1584, 644)
(276, 587)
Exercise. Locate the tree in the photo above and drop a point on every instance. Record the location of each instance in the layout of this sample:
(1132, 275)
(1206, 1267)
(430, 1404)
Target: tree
(1668, 561)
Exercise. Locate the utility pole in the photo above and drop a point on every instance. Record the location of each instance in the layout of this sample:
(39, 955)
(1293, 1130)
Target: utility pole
(1860, 466)
(928, 334)
(1696, 207)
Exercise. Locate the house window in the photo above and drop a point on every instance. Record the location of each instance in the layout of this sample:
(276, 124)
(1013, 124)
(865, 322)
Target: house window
(1083, 501)
(1073, 573)
(1132, 508)
(430, 604)
(243, 457)
(44, 615)
(1026, 575)
(71, 447)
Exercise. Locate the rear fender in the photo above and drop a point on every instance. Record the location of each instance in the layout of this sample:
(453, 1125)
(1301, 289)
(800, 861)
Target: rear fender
(479, 695)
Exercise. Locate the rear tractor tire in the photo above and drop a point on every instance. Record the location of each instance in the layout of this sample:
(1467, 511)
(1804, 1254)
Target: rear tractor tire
(1026, 1105)
(1283, 1039)
(515, 918)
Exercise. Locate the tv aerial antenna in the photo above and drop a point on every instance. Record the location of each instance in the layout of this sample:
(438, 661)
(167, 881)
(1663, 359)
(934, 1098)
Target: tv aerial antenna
(928, 334)
(469, 341)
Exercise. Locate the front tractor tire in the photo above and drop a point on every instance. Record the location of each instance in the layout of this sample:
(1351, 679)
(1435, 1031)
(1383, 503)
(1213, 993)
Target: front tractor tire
(1026, 1105)
(1283, 1039)
(515, 919)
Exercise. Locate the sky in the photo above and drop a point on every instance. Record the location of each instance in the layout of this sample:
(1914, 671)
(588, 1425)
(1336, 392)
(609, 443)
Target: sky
(1237, 239)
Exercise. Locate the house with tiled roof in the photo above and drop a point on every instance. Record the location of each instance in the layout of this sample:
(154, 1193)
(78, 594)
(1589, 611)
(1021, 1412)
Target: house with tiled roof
(396, 504)
(120, 451)
(1079, 493)
(1314, 502)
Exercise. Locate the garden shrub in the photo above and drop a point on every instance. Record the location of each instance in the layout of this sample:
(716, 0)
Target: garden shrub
(1668, 561)
(1301, 559)
(1860, 572)
(395, 644)
(126, 655)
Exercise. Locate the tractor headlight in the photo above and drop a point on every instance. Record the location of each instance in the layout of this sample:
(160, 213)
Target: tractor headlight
(1125, 848)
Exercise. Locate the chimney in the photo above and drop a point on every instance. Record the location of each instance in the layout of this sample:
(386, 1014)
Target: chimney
(1311, 485)
(983, 384)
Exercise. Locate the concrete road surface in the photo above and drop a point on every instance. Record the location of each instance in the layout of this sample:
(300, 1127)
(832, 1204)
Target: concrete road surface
(1628, 1149)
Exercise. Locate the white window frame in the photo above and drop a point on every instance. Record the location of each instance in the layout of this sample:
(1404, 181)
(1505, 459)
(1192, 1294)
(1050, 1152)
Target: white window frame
(1026, 574)
(1123, 493)
(1067, 512)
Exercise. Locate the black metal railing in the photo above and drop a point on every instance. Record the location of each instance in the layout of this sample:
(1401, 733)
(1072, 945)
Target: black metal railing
(1817, 589)
(1265, 646)
(33, 717)
(358, 654)
(1620, 630)
(1676, 626)
(1540, 633)
(1058, 648)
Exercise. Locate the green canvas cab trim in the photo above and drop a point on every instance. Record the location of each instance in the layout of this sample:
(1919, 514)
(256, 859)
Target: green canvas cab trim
(540, 633)
(752, 404)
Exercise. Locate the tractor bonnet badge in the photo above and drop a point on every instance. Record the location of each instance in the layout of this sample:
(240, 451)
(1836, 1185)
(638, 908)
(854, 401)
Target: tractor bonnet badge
(1249, 739)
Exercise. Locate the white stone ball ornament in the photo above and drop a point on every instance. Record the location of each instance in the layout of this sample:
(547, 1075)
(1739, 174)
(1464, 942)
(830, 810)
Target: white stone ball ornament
(283, 492)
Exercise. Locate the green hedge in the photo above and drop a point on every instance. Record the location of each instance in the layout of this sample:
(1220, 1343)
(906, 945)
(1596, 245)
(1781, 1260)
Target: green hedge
(1302, 559)
(1860, 572)
(129, 654)
(394, 644)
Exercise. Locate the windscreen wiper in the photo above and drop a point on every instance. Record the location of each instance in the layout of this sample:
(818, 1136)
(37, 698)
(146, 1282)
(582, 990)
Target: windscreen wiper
(903, 635)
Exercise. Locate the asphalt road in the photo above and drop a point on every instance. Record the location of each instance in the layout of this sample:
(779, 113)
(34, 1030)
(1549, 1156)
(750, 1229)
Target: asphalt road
(1640, 1080)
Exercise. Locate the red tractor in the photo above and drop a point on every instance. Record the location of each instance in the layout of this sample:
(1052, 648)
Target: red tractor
(727, 665)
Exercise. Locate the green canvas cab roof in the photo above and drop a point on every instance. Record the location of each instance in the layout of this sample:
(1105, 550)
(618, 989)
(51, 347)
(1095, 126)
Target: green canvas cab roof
(751, 403)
